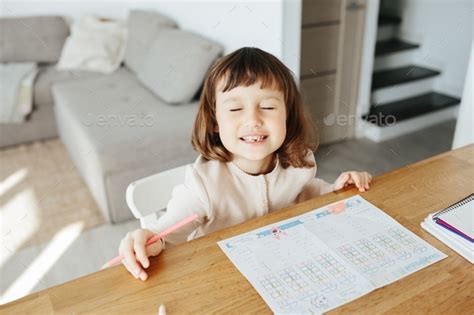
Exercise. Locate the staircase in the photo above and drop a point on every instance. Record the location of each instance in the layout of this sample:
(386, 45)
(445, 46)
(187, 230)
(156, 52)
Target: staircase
(403, 99)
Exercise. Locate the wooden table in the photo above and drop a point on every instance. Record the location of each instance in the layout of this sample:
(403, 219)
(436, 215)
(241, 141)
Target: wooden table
(197, 277)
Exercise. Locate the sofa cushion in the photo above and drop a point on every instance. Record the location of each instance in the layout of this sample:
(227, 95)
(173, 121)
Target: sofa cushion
(38, 39)
(142, 29)
(176, 64)
(117, 131)
(95, 44)
(41, 125)
(48, 75)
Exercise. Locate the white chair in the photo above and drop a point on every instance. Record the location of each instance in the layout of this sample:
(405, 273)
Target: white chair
(147, 197)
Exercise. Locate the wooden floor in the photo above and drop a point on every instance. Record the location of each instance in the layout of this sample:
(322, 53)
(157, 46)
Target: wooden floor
(36, 268)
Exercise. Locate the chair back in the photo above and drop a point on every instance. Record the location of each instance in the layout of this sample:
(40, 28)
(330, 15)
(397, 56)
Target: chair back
(148, 197)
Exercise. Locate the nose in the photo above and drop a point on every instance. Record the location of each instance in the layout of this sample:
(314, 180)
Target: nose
(253, 119)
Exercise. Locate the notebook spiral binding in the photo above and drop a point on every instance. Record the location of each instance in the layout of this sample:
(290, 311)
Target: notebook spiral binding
(454, 206)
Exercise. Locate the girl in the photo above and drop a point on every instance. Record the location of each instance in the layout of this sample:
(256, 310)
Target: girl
(256, 155)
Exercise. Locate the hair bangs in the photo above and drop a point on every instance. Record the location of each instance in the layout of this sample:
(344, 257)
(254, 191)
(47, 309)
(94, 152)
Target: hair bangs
(250, 69)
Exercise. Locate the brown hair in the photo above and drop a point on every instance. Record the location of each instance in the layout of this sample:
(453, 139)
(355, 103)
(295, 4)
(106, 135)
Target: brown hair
(244, 67)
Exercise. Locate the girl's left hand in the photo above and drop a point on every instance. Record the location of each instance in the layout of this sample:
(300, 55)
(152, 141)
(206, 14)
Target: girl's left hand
(360, 179)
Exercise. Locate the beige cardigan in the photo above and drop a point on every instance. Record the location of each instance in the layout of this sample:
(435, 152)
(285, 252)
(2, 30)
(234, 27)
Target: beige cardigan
(223, 195)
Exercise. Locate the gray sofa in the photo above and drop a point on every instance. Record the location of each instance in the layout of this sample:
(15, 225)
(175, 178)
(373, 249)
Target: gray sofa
(18, 43)
(129, 124)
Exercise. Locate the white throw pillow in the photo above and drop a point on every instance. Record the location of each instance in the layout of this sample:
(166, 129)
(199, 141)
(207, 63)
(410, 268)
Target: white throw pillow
(95, 44)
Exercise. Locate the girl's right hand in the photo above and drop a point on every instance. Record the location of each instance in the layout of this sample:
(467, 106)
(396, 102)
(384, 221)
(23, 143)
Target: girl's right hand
(135, 253)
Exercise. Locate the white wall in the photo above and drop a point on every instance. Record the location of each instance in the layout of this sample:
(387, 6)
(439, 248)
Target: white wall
(234, 24)
(444, 30)
(291, 31)
(367, 62)
(464, 133)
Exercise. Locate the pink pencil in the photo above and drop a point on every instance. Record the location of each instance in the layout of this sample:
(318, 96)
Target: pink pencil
(154, 238)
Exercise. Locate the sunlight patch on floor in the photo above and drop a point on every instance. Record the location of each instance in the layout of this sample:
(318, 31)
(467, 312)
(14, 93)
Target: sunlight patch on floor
(12, 180)
(17, 226)
(33, 273)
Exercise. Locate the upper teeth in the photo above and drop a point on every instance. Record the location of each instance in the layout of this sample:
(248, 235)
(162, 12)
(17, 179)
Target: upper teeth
(253, 138)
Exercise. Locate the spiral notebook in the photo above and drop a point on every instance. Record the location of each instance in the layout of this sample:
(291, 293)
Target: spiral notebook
(454, 226)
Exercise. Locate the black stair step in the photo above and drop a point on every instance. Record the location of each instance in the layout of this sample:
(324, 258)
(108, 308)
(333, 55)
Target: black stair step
(392, 45)
(384, 78)
(389, 20)
(386, 114)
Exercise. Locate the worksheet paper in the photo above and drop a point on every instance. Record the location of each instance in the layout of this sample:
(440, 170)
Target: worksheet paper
(327, 257)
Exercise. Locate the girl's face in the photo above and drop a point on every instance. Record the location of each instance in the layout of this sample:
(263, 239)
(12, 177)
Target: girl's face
(251, 124)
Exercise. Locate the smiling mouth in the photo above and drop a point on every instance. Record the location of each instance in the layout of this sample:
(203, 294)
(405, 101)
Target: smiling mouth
(253, 138)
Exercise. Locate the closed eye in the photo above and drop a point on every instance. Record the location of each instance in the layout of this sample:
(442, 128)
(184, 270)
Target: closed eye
(268, 108)
(235, 109)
